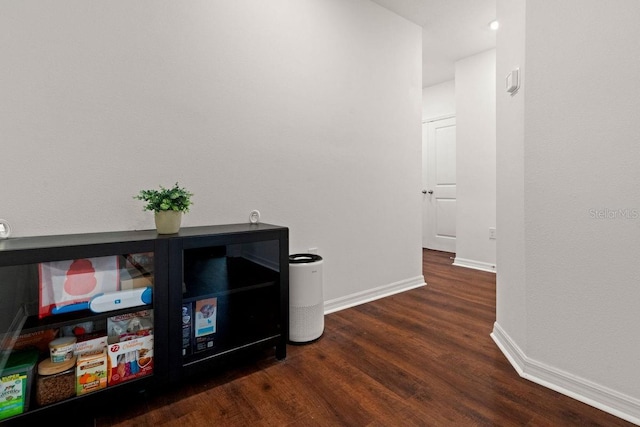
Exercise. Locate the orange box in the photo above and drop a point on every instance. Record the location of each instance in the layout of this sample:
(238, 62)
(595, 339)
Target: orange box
(91, 372)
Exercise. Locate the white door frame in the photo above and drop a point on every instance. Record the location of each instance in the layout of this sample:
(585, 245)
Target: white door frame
(430, 236)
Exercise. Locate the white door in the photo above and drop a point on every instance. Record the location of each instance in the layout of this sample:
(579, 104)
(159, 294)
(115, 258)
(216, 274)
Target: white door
(439, 180)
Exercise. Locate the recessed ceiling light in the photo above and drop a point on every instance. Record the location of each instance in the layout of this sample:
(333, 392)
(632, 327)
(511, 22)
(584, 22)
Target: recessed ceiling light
(494, 25)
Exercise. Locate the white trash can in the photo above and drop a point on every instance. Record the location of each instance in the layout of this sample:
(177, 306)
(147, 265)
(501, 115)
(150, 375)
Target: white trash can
(306, 303)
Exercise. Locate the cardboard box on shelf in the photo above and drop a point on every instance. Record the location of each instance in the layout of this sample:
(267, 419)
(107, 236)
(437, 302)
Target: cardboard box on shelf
(38, 339)
(133, 279)
(204, 323)
(91, 343)
(143, 262)
(129, 359)
(187, 328)
(129, 325)
(91, 371)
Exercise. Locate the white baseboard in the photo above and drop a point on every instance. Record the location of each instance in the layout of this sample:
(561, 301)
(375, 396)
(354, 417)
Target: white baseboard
(369, 295)
(603, 398)
(476, 265)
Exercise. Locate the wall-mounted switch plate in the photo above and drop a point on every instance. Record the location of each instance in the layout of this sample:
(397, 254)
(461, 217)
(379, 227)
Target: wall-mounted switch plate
(513, 81)
(492, 233)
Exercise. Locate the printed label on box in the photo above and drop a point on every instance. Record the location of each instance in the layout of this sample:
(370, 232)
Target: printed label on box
(12, 394)
(129, 326)
(187, 320)
(204, 343)
(91, 343)
(205, 324)
(91, 371)
(130, 359)
(205, 317)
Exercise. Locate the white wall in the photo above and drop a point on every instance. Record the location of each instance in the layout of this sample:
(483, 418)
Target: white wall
(308, 110)
(581, 215)
(511, 291)
(439, 100)
(476, 160)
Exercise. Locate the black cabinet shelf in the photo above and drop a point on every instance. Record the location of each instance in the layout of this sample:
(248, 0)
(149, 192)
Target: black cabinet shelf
(191, 362)
(34, 324)
(225, 275)
(199, 296)
(241, 270)
(24, 325)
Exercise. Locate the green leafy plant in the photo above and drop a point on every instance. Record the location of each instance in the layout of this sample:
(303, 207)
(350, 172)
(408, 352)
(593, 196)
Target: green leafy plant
(166, 199)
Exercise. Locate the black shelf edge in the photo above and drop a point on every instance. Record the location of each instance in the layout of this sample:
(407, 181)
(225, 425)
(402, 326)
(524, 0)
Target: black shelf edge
(195, 359)
(188, 297)
(34, 323)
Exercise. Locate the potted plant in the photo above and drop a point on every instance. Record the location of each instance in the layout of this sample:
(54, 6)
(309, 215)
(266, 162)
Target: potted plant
(168, 205)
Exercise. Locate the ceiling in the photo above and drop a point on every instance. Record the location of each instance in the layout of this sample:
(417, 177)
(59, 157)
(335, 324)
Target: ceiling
(451, 30)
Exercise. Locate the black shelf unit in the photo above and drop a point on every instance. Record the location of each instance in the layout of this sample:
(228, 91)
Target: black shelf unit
(243, 271)
(19, 299)
(244, 267)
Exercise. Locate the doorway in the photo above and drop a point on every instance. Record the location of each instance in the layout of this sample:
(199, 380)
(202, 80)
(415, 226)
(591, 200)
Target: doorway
(439, 184)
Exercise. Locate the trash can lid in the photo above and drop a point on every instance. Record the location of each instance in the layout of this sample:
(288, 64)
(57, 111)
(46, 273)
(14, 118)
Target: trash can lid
(304, 258)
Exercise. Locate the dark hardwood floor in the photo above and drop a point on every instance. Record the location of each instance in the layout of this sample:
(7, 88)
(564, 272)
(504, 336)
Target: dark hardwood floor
(420, 358)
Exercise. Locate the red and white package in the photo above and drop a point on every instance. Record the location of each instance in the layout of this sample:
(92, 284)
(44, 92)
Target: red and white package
(69, 285)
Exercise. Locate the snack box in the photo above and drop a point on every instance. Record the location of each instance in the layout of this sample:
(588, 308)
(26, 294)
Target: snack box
(129, 325)
(129, 359)
(91, 371)
(15, 381)
(91, 343)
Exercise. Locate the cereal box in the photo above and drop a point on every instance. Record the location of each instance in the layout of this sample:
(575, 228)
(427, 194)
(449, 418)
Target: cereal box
(91, 371)
(129, 359)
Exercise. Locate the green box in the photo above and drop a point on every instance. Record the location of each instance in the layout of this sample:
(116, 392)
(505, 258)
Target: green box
(16, 377)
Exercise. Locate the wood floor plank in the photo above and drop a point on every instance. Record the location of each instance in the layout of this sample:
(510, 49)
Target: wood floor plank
(419, 358)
